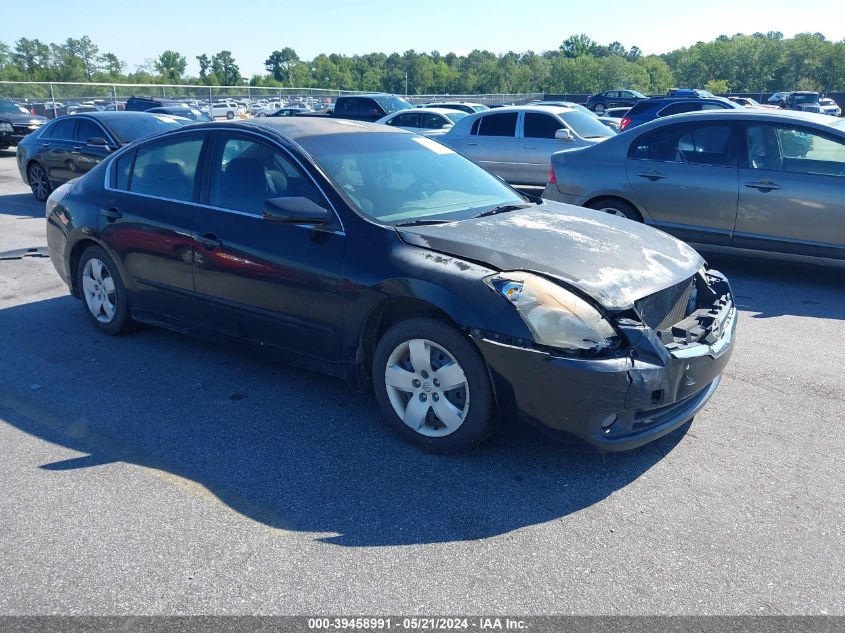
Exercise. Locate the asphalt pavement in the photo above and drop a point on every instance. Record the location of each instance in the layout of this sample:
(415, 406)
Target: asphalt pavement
(156, 474)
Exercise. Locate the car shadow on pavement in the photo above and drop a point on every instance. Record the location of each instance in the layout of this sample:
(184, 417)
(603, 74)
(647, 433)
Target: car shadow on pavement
(22, 205)
(772, 288)
(288, 448)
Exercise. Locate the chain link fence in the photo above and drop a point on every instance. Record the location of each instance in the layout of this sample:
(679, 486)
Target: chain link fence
(52, 98)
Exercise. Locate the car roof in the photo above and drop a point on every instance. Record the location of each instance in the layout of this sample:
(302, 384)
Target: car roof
(528, 108)
(111, 115)
(749, 114)
(296, 128)
(424, 110)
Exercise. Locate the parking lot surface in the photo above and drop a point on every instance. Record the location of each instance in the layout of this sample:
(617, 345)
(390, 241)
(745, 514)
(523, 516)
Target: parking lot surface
(152, 474)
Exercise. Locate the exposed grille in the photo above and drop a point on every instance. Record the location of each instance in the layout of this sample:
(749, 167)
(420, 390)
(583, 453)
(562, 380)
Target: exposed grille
(665, 308)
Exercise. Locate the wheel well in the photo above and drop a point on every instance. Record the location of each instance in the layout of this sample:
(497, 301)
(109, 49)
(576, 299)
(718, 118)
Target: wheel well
(385, 316)
(73, 262)
(30, 164)
(592, 204)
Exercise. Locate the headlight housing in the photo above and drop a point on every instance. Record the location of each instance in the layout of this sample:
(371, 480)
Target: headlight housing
(6, 127)
(556, 317)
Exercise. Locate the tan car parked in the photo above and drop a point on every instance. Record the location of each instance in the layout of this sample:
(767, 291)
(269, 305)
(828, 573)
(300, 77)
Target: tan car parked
(743, 181)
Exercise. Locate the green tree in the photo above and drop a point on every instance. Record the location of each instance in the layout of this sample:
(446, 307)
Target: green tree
(225, 69)
(205, 66)
(280, 63)
(32, 57)
(171, 66)
(577, 46)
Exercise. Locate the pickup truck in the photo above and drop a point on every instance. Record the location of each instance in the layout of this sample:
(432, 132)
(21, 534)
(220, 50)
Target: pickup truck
(368, 107)
(803, 101)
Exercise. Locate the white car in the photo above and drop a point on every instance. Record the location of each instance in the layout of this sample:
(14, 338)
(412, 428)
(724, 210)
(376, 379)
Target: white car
(228, 109)
(829, 106)
(427, 121)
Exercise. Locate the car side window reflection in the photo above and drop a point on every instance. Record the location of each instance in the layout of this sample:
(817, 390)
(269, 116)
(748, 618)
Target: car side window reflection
(166, 169)
(245, 173)
(796, 150)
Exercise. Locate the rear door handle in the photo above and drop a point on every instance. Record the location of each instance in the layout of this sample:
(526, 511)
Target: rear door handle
(110, 214)
(209, 241)
(472, 144)
(528, 147)
(653, 175)
(763, 185)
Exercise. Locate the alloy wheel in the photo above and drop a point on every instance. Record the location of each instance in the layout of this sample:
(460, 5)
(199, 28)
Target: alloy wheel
(427, 387)
(614, 211)
(38, 182)
(98, 288)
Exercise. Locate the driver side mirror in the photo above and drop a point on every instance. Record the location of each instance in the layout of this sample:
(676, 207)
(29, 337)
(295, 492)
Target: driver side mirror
(563, 134)
(97, 141)
(294, 210)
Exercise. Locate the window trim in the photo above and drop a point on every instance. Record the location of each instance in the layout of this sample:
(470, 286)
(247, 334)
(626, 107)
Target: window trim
(203, 165)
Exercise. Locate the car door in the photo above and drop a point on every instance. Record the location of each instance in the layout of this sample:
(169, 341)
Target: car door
(493, 145)
(537, 145)
(56, 148)
(147, 221)
(85, 155)
(273, 284)
(685, 177)
(792, 191)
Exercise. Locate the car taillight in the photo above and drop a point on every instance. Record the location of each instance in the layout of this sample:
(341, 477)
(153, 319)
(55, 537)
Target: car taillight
(624, 123)
(552, 179)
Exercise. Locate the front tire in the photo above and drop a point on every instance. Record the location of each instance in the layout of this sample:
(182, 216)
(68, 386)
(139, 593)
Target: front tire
(432, 384)
(599, 109)
(103, 293)
(36, 176)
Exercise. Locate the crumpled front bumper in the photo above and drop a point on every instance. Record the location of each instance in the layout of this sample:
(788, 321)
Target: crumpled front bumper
(614, 403)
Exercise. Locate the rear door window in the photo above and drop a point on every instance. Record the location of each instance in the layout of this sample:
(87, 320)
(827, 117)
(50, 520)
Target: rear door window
(503, 124)
(167, 168)
(63, 130)
(700, 144)
(680, 108)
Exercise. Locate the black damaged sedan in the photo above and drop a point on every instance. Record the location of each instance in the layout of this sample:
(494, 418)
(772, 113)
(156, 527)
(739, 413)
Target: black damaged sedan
(385, 258)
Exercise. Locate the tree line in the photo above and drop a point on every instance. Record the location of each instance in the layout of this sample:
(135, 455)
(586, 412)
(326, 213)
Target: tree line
(762, 62)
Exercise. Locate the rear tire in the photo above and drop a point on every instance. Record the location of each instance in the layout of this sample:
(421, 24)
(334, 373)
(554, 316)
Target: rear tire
(615, 206)
(103, 293)
(432, 384)
(230, 115)
(38, 181)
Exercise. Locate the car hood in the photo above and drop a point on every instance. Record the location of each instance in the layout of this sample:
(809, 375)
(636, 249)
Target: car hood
(614, 260)
(13, 117)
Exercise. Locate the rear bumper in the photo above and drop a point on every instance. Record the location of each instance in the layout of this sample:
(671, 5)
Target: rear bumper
(616, 403)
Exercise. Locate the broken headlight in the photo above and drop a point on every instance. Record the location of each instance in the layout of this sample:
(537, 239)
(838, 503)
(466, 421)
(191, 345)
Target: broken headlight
(555, 316)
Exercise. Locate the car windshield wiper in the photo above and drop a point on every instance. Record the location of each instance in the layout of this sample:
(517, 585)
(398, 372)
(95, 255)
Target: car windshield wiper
(422, 222)
(503, 208)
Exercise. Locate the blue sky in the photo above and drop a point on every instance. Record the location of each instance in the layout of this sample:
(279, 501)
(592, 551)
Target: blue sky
(136, 31)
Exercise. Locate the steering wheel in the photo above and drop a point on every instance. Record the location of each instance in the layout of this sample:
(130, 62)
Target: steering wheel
(424, 188)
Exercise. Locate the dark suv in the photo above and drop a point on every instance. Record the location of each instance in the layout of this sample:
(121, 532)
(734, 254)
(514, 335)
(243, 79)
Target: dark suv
(614, 99)
(802, 100)
(656, 107)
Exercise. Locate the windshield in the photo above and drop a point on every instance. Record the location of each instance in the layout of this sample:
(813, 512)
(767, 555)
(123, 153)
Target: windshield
(393, 104)
(638, 95)
(805, 98)
(397, 178)
(128, 129)
(12, 108)
(586, 126)
(455, 116)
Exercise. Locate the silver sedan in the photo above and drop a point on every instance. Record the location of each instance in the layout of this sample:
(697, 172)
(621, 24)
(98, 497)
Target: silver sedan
(516, 143)
(427, 121)
(769, 183)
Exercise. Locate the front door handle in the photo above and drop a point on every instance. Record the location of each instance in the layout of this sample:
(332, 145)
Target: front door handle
(472, 144)
(111, 214)
(528, 147)
(764, 185)
(653, 175)
(209, 241)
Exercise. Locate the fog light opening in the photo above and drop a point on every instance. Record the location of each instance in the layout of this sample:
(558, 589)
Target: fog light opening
(608, 422)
